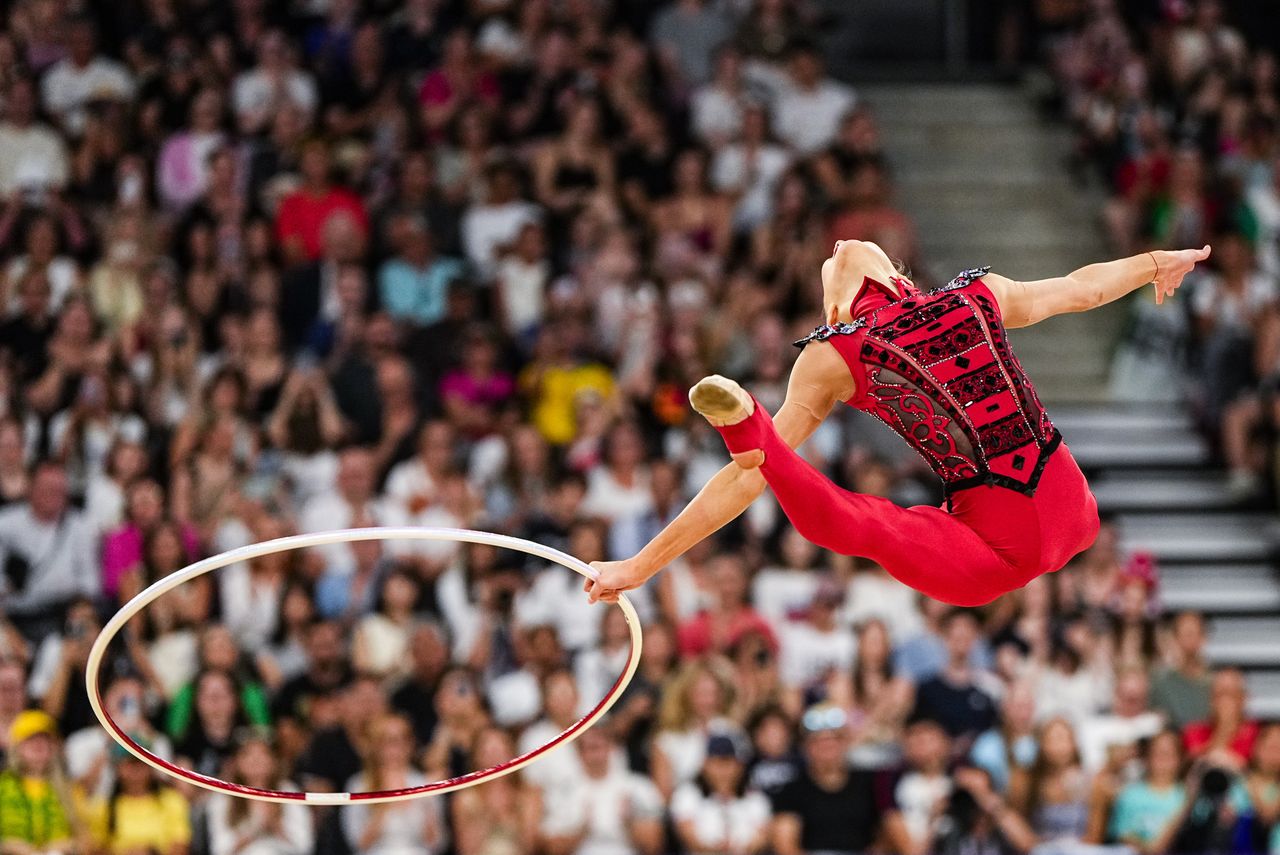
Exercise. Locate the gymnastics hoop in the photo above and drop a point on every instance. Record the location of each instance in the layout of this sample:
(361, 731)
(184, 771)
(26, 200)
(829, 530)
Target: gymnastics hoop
(353, 535)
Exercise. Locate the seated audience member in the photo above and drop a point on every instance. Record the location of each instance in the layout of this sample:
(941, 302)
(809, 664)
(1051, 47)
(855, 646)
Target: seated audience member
(1145, 812)
(36, 805)
(830, 807)
(717, 812)
(1226, 736)
(957, 698)
(1181, 691)
(606, 807)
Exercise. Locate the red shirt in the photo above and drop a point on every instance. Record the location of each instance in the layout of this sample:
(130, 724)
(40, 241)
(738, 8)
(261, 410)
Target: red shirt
(302, 216)
(698, 634)
(1196, 737)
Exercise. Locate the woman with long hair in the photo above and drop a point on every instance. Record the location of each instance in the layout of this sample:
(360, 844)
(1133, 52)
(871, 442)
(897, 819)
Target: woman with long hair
(502, 818)
(878, 701)
(693, 703)
(1144, 813)
(37, 810)
(142, 814)
(404, 828)
(1053, 794)
(243, 827)
(208, 739)
(381, 639)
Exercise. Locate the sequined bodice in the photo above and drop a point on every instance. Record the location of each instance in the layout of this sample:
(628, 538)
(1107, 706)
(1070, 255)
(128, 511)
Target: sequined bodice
(937, 368)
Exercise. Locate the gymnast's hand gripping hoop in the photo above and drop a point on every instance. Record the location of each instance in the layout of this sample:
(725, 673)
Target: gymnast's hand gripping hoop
(303, 541)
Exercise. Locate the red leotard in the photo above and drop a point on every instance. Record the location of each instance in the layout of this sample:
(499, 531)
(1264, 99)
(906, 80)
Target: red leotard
(938, 369)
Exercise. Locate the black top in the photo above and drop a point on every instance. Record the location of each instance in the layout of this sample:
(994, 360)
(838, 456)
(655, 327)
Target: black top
(844, 820)
(962, 710)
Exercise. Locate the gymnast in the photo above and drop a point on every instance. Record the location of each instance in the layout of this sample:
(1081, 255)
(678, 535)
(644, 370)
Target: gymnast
(937, 368)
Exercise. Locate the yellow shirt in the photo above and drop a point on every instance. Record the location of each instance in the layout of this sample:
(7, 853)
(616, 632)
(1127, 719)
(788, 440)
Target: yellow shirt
(157, 821)
(555, 391)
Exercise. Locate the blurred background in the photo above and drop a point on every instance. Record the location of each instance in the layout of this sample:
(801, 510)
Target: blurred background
(278, 266)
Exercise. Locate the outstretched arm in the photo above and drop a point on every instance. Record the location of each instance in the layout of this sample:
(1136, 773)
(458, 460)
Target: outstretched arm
(812, 391)
(1025, 303)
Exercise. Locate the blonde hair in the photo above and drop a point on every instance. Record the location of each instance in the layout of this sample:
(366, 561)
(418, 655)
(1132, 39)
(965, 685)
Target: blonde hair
(675, 712)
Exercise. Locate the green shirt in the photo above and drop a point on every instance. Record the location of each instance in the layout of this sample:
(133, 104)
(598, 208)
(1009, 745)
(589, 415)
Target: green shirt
(1182, 699)
(183, 708)
(31, 811)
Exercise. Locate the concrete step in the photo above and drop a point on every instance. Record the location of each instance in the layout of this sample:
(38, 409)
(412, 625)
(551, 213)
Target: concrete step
(1244, 641)
(1196, 537)
(1139, 490)
(1264, 693)
(1121, 418)
(1100, 449)
(1220, 589)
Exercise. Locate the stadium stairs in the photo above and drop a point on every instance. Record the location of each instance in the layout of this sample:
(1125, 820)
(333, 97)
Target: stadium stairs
(983, 175)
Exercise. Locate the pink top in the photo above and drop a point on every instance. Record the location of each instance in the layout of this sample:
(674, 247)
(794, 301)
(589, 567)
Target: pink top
(122, 549)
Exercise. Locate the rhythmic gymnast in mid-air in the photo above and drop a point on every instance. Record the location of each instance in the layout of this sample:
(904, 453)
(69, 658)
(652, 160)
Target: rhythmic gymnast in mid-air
(937, 368)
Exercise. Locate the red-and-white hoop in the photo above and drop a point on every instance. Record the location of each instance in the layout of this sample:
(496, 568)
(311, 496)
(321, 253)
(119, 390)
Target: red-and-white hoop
(301, 541)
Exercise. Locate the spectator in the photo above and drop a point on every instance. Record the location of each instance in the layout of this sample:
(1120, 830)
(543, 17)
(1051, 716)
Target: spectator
(48, 553)
(1010, 746)
(502, 817)
(729, 615)
(83, 77)
(1145, 811)
(90, 751)
(414, 284)
(694, 706)
(489, 228)
(36, 808)
(922, 791)
(809, 106)
(1182, 691)
(1129, 722)
(1053, 794)
(257, 828)
(274, 85)
(1226, 737)
(338, 751)
(606, 807)
(304, 214)
(815, 647)
(414, 698)
(33, 157)
(412, 827)
(354, 502)
(687, 33)
(1255, 796)
(717, 813)
(955, 698)
(141, 814)
(381, 639)
(831, 807)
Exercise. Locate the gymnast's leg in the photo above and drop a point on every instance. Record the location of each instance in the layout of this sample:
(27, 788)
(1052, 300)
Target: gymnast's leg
(923, 547)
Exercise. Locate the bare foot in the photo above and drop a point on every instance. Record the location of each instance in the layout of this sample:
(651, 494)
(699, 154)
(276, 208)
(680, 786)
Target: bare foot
(722, 402)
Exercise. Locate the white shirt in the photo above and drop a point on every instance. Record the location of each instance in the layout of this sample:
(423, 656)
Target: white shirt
(86, 746)
(1096, 733)
(735, 822)
(754, 176)
(522, 287)
(780, 592)
(554, 598)
(330, 511)
(917, 797)
(296, 837)
(486, 228)
(1233, 311)
(603, 806)
(62, 557)
(557, 769)
(250, 609)
(402, 824)
(808, 120)
(409, 484)
(255, 91)
(716, 114)
(608, 498)
(63, 275)
(808, 653)
(31, 157)
(873, 594)
(66, 89)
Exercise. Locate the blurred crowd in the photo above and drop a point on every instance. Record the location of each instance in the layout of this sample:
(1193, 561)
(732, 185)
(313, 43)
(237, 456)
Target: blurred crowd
(1177, 106)
(277, 267)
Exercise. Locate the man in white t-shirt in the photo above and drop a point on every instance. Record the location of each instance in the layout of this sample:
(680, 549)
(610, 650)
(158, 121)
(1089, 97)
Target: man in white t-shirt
(273, 84)
(1129, 721)
(819, 644)
(809, 105)
(352, 504)
(32, 156)
(608, 809)
(490, 228)
(83, 77)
